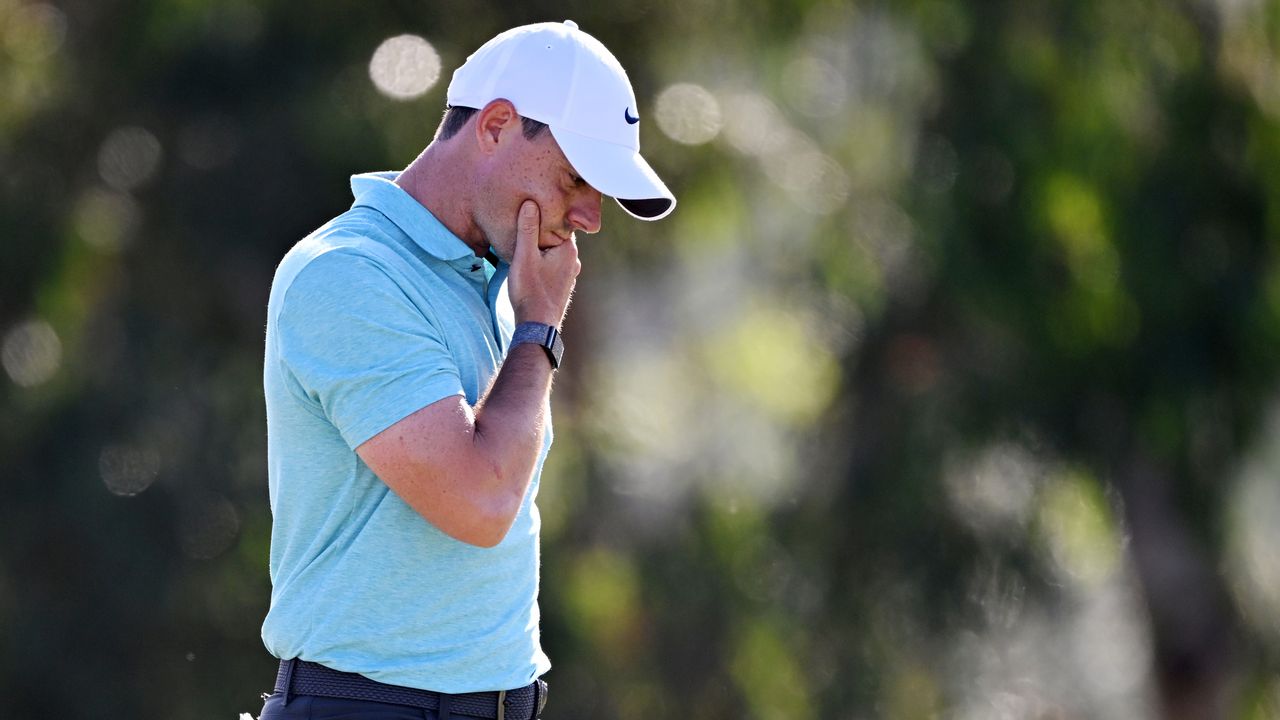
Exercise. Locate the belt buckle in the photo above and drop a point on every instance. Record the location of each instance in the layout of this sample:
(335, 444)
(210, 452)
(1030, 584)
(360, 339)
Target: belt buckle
(502, 705)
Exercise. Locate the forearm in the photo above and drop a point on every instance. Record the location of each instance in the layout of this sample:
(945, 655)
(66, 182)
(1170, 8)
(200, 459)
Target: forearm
(466, 469)
(510, 421)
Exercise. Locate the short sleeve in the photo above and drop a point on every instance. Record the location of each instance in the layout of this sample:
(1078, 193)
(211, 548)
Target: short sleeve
(359, 347)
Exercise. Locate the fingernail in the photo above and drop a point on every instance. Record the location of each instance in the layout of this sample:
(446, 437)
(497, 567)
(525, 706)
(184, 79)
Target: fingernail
(527, 208)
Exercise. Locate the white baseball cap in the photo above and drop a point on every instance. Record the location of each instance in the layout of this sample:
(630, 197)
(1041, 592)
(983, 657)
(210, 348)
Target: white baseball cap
(559, 75)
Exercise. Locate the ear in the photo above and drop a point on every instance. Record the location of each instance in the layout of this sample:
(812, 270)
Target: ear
(495, 117)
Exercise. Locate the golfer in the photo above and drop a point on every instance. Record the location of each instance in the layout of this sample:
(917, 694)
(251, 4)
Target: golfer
(410, 349)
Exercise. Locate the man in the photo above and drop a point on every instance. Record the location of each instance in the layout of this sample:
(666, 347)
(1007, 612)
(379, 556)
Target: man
(410, 348)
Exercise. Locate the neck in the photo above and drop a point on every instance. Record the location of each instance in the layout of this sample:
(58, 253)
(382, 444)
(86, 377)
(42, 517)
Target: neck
(437, 179)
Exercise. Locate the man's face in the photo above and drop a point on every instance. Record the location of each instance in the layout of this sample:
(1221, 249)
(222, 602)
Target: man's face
(537, 170)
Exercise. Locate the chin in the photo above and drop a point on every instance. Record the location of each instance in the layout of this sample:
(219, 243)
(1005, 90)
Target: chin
(504, 254)
(504, 249)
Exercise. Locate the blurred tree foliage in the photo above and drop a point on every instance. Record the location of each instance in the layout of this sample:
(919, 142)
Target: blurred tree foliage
(948, 390)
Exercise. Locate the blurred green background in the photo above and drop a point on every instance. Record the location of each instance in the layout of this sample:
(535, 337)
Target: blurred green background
(950, 390)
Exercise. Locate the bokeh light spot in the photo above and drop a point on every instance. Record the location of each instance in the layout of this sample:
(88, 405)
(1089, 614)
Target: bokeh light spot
(128, 470)
(1078, 529)
(34, 32)
(106, 220)
(31, 353)
(992, 491)
(688, 114)
(404, 67)
(1074, 211)
(814, 180)
(880, 154)
(208, 528)
(128, 158)
(815, 87)
(770, 357)
(753, 124)
(938, 165)
(769, 672)
(1110, 643)
(603, 592)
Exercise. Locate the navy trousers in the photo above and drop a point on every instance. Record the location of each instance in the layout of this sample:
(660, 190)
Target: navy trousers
(310, 707)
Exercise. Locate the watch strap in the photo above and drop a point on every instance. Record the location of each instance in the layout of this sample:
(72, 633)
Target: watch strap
(543, 335)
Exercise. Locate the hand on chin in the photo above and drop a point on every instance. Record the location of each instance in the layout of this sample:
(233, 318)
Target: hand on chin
(550, 239)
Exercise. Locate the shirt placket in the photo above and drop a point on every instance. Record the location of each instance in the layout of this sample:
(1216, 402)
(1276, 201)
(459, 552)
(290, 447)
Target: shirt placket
(486, 281)
(496, 278)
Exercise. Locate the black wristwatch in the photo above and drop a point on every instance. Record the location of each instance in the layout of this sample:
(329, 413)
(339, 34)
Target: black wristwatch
(540, 334)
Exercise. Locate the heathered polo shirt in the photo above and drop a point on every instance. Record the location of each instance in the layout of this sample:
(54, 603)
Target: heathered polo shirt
(374, 316)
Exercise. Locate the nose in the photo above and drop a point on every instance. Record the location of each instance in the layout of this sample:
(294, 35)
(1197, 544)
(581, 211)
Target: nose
(584, 214)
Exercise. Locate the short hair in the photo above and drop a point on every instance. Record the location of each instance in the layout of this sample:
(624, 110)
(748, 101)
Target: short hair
(457, 116)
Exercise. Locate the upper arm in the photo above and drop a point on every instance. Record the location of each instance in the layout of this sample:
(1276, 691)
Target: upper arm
(359, 348)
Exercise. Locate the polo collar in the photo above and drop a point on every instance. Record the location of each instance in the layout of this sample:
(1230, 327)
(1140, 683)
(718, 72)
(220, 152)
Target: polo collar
(379, 191)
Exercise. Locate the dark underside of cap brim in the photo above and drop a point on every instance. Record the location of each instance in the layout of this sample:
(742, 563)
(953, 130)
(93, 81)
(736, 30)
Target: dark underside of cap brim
(647, 208)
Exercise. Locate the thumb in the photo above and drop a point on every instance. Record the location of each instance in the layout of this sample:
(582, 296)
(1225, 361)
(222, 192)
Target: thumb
(527, 226)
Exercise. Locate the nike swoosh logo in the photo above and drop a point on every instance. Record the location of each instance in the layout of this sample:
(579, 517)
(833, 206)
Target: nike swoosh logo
(631, 119)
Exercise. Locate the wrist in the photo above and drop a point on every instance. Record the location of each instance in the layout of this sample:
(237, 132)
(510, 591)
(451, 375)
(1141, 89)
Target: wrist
(545, 315)
(543, 335)
(538, 319)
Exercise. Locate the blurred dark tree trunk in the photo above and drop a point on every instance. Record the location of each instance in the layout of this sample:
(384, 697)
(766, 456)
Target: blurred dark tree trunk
(1196, 649)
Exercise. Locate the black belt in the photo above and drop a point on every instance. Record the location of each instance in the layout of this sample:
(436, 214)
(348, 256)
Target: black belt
(300, 677)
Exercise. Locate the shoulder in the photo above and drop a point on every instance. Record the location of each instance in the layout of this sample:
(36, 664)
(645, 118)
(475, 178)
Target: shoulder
(336, 262)
(334, 294)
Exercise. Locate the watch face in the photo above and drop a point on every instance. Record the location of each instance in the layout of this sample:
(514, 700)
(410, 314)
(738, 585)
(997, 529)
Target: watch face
(556, 349)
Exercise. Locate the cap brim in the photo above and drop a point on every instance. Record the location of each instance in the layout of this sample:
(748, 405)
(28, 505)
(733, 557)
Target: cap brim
(619, 172)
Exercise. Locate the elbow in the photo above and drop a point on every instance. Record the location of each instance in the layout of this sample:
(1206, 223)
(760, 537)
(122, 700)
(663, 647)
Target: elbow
(492, 514)
(487, 533)
(474, 504)
(483, 540)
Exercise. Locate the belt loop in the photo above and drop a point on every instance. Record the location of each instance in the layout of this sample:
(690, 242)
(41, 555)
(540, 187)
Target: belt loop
(502, 705)
(288, 678)
(443, 709)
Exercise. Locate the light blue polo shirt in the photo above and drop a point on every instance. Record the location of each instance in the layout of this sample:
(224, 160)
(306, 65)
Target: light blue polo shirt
(374, 316)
